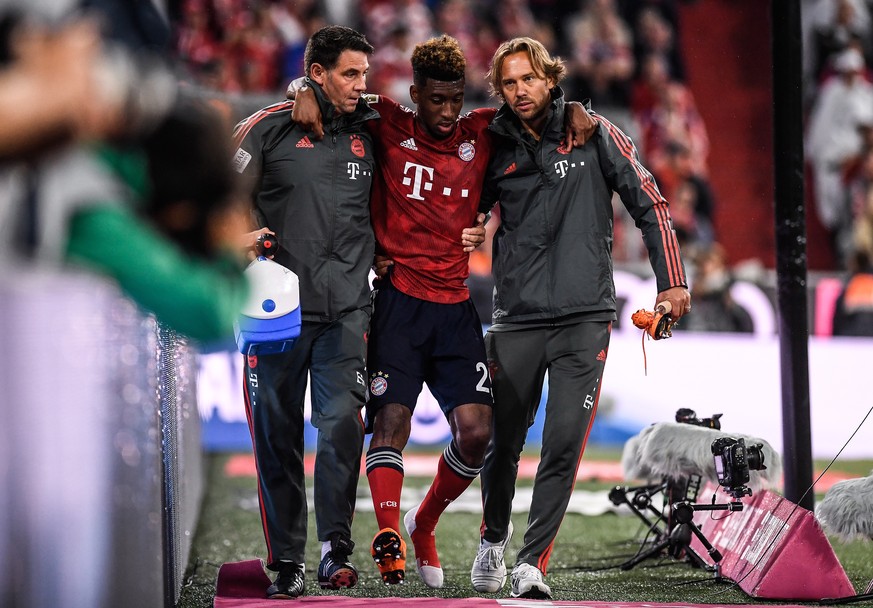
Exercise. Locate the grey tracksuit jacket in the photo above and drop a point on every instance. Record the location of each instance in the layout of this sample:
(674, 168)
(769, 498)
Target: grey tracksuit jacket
(553, 249)
(315, 195)
(554, 303)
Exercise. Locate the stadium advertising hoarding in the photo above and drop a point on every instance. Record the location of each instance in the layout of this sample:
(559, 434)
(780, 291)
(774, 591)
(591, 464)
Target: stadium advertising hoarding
(736, 375)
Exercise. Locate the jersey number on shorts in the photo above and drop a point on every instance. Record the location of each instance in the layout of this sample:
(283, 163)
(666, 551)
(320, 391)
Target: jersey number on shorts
(481, 385)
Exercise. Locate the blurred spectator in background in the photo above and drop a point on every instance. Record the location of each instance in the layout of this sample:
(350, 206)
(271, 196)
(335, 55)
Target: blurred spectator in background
(601, 63)
(836, 25)
(476, 35)
(257, 48)
(514, 18)
(653, 33)
(198, 41)
(858, 180)
(220, 74)
(379, 17)
(714, 308)
(36, 59)
(686, 188)
(653, 77)
(295, 20)
(391, 71)
(690, 231)
(853, 315)
(674, 121)
(668, 11)
(833, 138)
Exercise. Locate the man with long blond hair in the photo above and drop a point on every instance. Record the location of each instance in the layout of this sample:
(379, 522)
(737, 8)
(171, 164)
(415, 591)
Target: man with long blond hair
(554, 300)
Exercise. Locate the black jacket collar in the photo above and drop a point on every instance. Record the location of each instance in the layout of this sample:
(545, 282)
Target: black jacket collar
(334, 121)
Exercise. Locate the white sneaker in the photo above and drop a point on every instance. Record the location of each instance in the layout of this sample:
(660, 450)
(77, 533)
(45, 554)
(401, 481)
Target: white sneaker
(489, 570)
(426, 559)
(527, 581)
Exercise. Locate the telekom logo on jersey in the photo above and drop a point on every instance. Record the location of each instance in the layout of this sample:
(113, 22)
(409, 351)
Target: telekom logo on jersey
(418, 179)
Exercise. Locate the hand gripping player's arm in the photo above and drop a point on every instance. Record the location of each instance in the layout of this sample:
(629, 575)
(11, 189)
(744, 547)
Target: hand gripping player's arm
(306, 112)
(579, 125)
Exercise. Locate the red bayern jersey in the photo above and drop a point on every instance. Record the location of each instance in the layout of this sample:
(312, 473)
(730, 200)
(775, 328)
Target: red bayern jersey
(426, 192)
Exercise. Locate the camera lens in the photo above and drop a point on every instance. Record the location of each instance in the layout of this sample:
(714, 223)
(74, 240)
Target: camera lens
(755, 457)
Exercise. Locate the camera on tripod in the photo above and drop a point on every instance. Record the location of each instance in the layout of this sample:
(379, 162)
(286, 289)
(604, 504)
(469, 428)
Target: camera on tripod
(733, 461)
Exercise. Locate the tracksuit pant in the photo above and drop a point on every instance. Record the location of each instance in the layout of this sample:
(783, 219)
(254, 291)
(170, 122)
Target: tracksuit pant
(574, 357)
(333, 356)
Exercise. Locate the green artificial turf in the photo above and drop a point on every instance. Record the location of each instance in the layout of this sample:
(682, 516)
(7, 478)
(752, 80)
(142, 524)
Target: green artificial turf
(582, 567)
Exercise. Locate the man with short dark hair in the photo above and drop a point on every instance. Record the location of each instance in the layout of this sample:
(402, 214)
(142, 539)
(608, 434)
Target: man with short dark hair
(314, 194)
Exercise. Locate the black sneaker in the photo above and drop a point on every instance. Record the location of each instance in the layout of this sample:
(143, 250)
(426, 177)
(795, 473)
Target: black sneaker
(289, 584)
(335, 571)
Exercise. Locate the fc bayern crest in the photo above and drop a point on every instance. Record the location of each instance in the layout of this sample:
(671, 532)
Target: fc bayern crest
(357, 147)
(378, 386)
(466, 151)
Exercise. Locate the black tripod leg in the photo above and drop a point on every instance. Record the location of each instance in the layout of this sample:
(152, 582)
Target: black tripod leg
(692, 556)
(653, 552)
(618, 496)
(713, 552)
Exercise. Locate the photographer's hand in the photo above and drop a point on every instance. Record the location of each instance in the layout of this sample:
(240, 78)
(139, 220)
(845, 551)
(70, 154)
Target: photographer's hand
(63, 62)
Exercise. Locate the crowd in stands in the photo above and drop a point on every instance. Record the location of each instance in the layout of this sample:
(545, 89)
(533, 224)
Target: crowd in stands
(624, 55)
(839, 145)
(839, 127)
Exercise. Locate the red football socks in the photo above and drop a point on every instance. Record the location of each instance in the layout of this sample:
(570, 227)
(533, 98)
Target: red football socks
(386, 484)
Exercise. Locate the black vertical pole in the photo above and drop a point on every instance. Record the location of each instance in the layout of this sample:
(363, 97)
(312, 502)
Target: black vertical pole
(791, 263)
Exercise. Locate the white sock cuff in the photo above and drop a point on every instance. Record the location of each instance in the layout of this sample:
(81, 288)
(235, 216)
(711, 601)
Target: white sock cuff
(452, 457)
